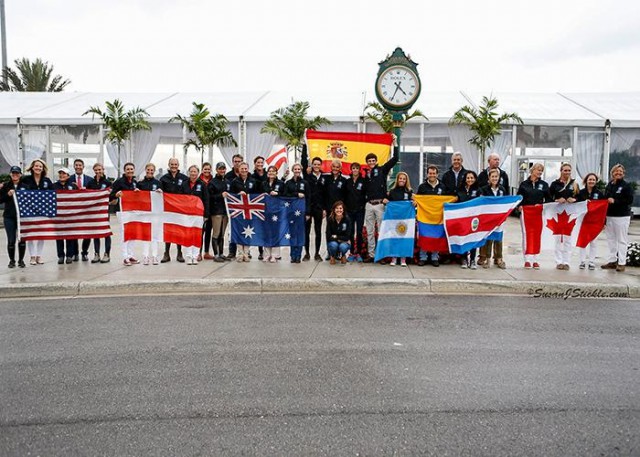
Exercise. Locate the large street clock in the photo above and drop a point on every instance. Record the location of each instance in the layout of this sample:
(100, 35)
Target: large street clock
(398, 83)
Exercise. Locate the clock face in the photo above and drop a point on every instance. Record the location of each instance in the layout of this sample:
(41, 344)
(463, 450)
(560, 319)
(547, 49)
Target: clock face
(398, 86)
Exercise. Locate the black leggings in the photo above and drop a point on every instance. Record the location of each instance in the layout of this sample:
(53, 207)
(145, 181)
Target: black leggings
(316, 219)
(11, 227)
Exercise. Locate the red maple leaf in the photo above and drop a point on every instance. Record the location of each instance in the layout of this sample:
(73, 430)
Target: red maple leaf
(562, 226)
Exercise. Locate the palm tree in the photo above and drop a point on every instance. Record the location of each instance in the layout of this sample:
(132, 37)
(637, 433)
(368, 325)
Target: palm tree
(36, 76)
(290, 123)
(484, 122)
(120, 124)
(375, 112)
(209, 129)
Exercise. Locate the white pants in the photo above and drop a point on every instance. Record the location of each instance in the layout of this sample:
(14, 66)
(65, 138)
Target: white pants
(531, 258)
(35, 248)
(563, 250)
(191, 251)
(146, 245)
(589, 253)
(372, 216)
(617, 230)
(272, 252)
(127, 249)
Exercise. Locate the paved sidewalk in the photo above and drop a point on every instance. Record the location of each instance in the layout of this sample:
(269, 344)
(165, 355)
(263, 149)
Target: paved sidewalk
(84, 278)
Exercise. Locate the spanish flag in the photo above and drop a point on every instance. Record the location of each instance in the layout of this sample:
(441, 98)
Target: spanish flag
(431, 233)
(348, 148)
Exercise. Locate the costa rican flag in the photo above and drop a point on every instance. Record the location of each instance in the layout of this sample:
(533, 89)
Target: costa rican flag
(471, 224)
(156, 216)
(246, 205)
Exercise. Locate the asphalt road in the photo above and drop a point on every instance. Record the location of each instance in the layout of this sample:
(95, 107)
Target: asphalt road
(320, 375)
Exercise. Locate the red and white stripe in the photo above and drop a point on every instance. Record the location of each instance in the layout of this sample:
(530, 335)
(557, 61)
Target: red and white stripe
(277, 158)
(80, 214)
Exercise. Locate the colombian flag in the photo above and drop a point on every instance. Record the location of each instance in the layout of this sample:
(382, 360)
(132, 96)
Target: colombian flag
(431, 233)
(348, 147)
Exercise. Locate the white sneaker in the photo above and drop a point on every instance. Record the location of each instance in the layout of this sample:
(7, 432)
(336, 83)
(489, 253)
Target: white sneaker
(156, 260)
(473, 265)
(145, 260)
(393, 262)
(464, 265)
(592, 266)
(582, 265)
(403, 263)
(188, 260)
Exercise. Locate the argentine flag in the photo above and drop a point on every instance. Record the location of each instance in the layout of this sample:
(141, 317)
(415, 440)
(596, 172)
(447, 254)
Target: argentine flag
(397, 231)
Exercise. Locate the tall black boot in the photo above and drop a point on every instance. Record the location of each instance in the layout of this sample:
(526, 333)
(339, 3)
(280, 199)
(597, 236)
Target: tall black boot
(11, 249)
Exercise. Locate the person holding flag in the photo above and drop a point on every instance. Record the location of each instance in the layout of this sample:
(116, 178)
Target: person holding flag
(299, 188)
(100, 182)
(151, 184)
(534, 191)
(432, 186)
(400, 191)
(244, 184)
(172, 184)
(375, 193)
(195, 186)
(274, 187)
(317, 201)
(589, 192)
(126, 182)
(354, 202)
(64, 183)
(493, 189)
(468, 191)
(37, 180)
(564, 190)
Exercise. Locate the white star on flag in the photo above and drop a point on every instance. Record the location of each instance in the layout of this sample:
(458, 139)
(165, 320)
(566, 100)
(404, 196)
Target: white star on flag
(297, 213)
(248, 232)
(274, 218)
(287, 204)
(288, 236)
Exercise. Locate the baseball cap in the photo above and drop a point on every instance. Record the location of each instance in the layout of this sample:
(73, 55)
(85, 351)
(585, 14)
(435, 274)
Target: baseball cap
(221, 165)
(15, 169)
(64, 170)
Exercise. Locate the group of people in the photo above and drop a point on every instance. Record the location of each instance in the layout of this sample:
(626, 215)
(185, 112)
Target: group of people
(348, 207)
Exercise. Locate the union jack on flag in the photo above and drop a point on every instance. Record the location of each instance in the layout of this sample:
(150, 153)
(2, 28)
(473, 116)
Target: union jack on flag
(247, 205)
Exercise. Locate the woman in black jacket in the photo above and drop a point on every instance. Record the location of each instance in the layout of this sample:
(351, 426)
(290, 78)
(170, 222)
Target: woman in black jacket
(564, 190)
(589, 192)
(37, 180)
(400, 191)
(10, 216)
(534, 191)
(99, 182)
(620, 196)
(274, 187)
(196, 187)
(492, 189)
(299, 188)
(339, 233)
(218, 188)
(468, 191)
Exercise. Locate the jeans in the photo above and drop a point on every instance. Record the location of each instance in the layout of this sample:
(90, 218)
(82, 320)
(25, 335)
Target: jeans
(336, 247)
(425, 254)
(107, 245)
(358, 223)
(71, 246)
(296, 252)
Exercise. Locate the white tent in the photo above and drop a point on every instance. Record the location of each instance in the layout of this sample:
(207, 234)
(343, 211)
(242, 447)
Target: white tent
(582, 128)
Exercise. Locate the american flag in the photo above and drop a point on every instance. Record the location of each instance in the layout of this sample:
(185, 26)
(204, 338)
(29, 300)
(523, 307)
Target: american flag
(62, 214)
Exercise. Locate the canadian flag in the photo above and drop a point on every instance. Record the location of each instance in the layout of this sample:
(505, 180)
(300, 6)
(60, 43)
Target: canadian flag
(157, 216)
(580, 223)
(277, 158)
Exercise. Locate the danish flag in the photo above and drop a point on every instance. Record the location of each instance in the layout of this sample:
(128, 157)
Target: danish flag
(246, 206)
(155, 216)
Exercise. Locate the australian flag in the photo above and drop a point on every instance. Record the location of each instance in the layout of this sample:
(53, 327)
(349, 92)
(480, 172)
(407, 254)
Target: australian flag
(264, 220)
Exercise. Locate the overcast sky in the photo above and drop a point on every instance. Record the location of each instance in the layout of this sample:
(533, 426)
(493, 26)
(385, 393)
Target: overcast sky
(331, 45)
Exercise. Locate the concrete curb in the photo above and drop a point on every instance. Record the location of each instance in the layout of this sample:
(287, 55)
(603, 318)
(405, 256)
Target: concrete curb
(538, 289)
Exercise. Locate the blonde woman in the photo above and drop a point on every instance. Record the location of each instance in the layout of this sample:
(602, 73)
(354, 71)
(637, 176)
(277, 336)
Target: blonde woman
(564, 190)
(620, 196)
(400, 191)
(37, 180)
(534, 191)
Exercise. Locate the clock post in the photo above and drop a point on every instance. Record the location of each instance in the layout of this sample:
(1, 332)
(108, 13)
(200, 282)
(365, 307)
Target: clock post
(398, 87)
